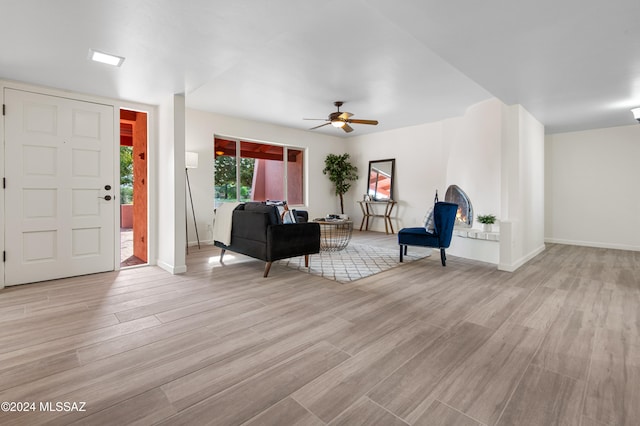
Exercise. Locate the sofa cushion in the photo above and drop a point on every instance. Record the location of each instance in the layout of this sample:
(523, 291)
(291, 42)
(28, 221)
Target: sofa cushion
(271, 210)
(417, 237)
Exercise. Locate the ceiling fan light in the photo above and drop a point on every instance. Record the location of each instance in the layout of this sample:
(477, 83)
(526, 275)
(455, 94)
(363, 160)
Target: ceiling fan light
(338, 123)
(636, 113)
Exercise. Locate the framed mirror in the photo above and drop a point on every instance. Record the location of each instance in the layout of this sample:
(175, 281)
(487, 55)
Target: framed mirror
(380, 182)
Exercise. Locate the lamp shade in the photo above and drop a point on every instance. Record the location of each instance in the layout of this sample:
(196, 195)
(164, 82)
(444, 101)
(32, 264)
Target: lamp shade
(191, 160)
(636, 113)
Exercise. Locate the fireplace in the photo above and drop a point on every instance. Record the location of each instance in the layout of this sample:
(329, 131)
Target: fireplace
(464, 216)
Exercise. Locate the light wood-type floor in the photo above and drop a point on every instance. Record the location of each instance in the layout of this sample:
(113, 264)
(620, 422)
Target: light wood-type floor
(557, 342)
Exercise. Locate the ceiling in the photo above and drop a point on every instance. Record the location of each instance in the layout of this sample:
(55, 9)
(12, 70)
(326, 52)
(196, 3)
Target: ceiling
(574, 64)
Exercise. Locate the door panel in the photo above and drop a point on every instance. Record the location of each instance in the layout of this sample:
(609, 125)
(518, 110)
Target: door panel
(59, 157)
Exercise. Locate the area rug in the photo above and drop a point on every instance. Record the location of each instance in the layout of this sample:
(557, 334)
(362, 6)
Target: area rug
(356, 261)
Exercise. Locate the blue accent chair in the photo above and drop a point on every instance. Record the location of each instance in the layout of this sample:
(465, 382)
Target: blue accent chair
(444, 216)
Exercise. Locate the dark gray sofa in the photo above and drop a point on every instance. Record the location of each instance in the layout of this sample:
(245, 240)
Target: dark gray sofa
(257, 231)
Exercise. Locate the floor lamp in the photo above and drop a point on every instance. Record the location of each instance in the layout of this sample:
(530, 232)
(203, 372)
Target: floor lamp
(190, 162)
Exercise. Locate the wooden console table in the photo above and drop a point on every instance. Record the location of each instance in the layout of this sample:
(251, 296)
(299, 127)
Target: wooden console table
(368, 211)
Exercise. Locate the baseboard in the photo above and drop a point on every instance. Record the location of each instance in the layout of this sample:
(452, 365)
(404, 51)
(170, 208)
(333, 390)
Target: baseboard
(592, 244)
(514, 266)
(202, 243)
(172, 269)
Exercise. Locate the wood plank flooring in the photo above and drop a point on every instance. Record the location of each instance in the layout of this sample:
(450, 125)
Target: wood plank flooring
(556, 342)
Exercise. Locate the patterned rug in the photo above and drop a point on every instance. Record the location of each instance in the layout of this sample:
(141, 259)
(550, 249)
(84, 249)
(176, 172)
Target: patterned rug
(354, 262)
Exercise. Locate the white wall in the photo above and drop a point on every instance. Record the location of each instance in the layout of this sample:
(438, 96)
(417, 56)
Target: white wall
(591, 191)
(171, 185)
(473, 163)
(200, 130)
(473, 160)
(464, 151)
(532, 171)
(494, 153)
(420, 169)
(522, 188)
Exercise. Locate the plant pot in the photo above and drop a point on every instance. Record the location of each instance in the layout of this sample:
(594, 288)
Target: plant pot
(486, 227)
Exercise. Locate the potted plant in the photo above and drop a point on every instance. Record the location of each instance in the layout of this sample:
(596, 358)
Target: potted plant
(486, 221)
(341, 172)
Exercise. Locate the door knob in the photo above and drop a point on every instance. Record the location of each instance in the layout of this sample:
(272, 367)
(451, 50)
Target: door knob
(107, 187)
(106, 197)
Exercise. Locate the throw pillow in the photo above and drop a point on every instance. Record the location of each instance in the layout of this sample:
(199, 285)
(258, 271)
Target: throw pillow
(429, 223)
(286, 215)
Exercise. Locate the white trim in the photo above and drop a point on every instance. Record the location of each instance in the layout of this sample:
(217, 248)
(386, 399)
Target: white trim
(2, 209)
(116, 188)
(172, 269)
(512, 267)
(151, 112)
(592, 244)
(202, 243)
(60, 93)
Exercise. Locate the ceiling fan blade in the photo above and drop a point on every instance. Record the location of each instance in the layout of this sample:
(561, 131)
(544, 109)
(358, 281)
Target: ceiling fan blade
(322, 125)
(317, 119)
(345, 115)
(347, 128)
(356, 121)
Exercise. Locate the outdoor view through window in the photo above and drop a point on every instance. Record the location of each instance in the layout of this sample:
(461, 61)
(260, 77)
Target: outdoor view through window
(258, 173)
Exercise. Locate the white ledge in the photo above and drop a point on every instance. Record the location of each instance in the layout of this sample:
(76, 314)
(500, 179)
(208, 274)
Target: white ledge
(476, 234)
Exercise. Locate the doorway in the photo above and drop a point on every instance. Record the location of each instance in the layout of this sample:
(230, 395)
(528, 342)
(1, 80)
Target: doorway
(60, 186)
(133, 188)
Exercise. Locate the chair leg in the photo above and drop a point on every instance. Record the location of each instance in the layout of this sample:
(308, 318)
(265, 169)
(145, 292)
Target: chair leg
(267, 267)
(222, 254)
(402, 248)
(306, 260)
(443, 257)
(405, 250)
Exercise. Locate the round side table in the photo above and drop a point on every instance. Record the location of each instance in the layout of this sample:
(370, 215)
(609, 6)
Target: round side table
(334, 234)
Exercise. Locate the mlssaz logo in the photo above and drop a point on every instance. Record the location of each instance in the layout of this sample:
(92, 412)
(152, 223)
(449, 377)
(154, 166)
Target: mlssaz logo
(65, 406)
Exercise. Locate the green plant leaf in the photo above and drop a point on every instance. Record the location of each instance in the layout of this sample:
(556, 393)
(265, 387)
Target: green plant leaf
(341, 172)
(487, 219)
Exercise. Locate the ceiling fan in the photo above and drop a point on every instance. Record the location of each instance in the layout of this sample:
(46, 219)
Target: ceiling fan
(341, 119)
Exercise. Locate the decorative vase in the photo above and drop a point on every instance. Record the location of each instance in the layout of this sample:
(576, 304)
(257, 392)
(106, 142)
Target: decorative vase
(486, 227)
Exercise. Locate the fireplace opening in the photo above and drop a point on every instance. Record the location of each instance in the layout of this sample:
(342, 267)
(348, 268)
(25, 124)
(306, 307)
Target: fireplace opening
(464, 216)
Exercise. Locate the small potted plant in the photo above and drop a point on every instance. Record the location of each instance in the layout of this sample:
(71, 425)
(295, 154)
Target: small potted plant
(486, 220)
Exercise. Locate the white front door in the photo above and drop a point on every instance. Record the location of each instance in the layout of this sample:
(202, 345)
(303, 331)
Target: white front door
(59, 195)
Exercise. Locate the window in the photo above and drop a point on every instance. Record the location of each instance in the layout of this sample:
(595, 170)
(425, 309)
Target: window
(258, 173)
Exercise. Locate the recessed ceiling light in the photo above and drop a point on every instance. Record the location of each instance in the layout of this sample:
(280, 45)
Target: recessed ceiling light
(105, 58)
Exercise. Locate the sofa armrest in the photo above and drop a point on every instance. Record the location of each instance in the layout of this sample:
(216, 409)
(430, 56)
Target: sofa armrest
(291, 240)
(302, 216)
